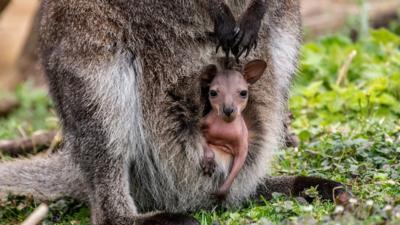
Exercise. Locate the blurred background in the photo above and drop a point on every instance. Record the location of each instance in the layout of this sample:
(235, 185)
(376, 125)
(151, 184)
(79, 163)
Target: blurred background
(18, 22)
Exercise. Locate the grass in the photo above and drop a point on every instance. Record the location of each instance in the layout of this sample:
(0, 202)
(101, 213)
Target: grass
(349, 129)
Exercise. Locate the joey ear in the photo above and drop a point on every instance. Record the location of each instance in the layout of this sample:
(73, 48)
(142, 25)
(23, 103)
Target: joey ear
(254, 70)
(208, 74)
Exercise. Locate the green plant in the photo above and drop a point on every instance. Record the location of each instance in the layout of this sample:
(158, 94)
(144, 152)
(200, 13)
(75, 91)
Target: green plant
(349, 129)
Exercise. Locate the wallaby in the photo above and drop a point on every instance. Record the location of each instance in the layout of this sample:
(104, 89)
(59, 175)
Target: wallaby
(121, 76)
(224, 128)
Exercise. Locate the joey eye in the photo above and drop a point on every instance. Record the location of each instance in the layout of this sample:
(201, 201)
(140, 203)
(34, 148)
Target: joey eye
(243, 94)
(213, 93)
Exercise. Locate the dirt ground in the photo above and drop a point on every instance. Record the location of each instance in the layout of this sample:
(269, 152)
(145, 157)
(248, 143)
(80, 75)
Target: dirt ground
(319, 17)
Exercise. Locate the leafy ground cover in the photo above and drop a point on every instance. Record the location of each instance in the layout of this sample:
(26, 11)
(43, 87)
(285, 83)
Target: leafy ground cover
(346, 104)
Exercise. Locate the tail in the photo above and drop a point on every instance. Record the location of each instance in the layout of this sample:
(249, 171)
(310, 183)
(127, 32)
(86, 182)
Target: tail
(237, 165)
(43, 177)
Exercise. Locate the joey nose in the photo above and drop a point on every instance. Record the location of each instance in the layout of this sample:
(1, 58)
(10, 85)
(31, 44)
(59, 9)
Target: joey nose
(228, 111)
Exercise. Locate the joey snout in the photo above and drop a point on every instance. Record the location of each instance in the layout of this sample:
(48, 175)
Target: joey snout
(229, 113)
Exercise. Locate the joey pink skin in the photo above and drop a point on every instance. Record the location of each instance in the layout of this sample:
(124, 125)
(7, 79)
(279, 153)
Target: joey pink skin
(224, 128)
(229, 137)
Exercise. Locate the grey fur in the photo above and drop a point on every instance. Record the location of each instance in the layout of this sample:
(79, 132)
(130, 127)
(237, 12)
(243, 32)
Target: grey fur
(122, 75)
(30, 176)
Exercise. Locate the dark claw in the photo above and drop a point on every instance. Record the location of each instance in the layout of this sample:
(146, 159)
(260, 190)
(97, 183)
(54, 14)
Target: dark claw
(236, 33)
(248, 52)
(249, 27)
(237, 60)
(225, 29)
(217, 49)
(241, 52)
(238, 40)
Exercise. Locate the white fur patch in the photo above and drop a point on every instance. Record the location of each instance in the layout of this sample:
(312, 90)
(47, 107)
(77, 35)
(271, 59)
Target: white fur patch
(284, 50)
(116, 90)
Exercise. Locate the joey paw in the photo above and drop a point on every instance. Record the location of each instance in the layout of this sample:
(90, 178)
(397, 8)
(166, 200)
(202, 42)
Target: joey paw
(208, 166)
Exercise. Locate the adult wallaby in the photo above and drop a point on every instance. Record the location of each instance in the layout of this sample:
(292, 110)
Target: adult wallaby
(121, 76)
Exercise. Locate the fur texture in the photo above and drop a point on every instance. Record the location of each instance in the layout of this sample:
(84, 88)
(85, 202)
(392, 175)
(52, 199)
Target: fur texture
(121, 74)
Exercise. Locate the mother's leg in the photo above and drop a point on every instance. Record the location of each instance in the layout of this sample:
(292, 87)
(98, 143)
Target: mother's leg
(99, 105)
(83, 97)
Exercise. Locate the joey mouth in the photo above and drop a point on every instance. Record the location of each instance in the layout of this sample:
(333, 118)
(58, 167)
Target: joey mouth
(228, 119)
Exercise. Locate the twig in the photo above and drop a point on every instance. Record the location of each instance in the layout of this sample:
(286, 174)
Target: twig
(7, 105)
(55, 143)
(345, 68)
(27, 145)
(37, 216)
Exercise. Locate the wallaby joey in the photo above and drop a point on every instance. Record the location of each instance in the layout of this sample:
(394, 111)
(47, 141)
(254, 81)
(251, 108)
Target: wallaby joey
(224, 128)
